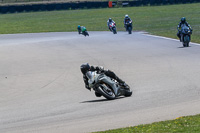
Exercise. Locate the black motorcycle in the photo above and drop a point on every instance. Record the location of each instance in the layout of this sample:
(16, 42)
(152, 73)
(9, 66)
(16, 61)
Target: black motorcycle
(185, 35)
(129, 27)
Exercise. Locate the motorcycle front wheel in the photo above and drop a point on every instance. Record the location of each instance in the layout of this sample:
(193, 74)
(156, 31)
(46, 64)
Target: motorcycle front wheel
(129, 30)
(114, 31)
(106, 91)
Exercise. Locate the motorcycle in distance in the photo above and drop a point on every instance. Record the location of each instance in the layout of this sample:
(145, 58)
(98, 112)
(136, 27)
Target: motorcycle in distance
(113, 28)
(84, 31)
(129, 27)
(106, 86)
(185, 35)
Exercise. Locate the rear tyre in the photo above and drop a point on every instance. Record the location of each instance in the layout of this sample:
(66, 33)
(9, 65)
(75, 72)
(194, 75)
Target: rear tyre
(127, 91)
(105, 90)
(86, 33)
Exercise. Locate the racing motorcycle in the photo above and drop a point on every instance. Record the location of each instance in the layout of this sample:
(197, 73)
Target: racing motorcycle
(113, 28)
(129, 27)
(185, 35)
(84, 31)
(106, 86)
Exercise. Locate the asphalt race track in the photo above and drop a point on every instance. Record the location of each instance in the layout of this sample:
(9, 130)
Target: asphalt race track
(42, 91)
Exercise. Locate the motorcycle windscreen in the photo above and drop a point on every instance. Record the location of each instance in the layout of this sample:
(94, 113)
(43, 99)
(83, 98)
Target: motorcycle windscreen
(89, 74)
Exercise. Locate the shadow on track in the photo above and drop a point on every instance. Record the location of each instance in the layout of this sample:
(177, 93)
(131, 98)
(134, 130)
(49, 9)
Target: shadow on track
(184, 47)
(101, 100)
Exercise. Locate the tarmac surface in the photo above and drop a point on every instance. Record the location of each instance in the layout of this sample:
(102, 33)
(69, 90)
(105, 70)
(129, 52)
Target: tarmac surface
(42, 90)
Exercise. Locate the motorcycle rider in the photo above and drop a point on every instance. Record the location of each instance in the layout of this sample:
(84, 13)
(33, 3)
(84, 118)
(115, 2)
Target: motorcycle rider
(79, 28)
(86, 67)
(180, 25)
(127, 19)
(109, 22)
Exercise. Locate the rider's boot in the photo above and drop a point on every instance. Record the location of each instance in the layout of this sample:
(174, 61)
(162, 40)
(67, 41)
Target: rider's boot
(122, 83)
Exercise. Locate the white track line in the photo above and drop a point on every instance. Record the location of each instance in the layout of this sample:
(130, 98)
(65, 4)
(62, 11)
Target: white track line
(168, 38)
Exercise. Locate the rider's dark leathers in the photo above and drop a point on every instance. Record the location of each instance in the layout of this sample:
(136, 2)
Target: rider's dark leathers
(127, 19)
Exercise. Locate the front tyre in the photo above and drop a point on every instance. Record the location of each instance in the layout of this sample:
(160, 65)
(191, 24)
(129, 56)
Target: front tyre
(129, 30)
(85, 33)
(106, 91)
(186, 41)
(114, 31)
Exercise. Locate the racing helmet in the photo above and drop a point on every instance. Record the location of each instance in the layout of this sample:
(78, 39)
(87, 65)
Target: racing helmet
(183, 19)
(110, 19)
(126, 16)
(84, 68)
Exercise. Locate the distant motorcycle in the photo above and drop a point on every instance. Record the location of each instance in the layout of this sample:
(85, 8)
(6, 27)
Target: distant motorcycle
(113, 28)
(129, 27)
(106, 86)
(84, 31)
(185, 35)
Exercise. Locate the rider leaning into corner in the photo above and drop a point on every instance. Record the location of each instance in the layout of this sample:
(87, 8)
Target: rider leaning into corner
(180, 25)
(79, 28)
(109, 22)
(127, 19)
(86, 67)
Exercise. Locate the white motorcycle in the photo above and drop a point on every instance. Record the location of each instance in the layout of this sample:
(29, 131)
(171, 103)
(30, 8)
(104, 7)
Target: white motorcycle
(106, 86)
(113, 27)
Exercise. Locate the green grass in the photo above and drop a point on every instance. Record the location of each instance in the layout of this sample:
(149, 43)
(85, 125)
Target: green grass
(44, 1)
(158, 20)
(189, 124)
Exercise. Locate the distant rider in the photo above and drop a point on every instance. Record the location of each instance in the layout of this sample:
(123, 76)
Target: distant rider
(109, 22)
(86, 67)
(181, 24)
(80, 28)
(126, 20)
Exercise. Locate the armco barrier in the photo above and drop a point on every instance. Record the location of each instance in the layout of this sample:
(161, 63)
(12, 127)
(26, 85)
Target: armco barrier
(81, 5)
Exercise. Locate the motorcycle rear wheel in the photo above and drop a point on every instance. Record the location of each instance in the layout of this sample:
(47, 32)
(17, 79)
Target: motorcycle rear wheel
(114, 31)
(127, 91)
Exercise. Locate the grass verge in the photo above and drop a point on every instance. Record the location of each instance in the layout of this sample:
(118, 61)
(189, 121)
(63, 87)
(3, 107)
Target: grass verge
(158, 20)
(189, 124)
